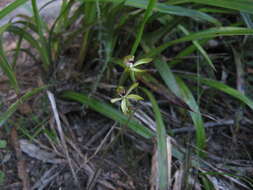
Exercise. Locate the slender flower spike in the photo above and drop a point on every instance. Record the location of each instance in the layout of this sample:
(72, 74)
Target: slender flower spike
(132, 67)
(125, 98)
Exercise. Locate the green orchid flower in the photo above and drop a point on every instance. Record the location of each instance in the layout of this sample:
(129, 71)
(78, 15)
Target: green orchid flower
(125, 98)
(132, 67)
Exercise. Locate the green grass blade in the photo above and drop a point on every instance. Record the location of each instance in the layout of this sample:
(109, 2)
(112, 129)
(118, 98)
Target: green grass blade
(177, 86)
(5, 66)
(90, 15)
(198, 46)
(184, 53)
(161, 136)
(196, 116)
(11, 7)
(28, 37)
(223, 88)
(110, 112)
(44, 50)
(147, 14)
(4, 28)
(210, 33)
(166, 9)
(239, 5)
(6, 115)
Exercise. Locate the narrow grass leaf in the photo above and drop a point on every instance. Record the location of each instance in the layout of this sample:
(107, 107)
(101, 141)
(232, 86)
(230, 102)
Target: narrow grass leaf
(161, 135)
(5, 66)
(11, 7)
(209, 33)
(2, 177)
(222, 87)
(198, 46)
(166, 9)
(239, 5)
(177, 86)
(184, 53)
(44, 50)
(196, 116)
(3, 144)
(110, 112)
(147, 14)
(6, 115)
(90, 17)
(28, 37)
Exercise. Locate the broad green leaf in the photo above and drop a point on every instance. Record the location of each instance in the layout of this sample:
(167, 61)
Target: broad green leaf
(177, 86)
(161, 136)
(11, 7)
(110, 112)
(209, 33)
(6, 115)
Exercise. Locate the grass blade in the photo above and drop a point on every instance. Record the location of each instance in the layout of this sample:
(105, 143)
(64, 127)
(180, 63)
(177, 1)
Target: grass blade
(166, 9)
(239, 5)
(147, 14)
(177, 86)
(11, 7)
(210, 33)
(109, 112)
(44, 50)
(90, 15)
(198, 46)
(6, 115)
(184, 53)
(222, 87)
(8, 70)
(4, 62)
(161, 135)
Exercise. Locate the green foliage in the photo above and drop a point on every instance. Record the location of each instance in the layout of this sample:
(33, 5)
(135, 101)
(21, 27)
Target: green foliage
(2, 177)
(176, 85)
(6, 115)
(125, 98)
(147, 30)
(161, 138)
(4, 64)
(3, 144)
(11, 7)
(109, 112)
